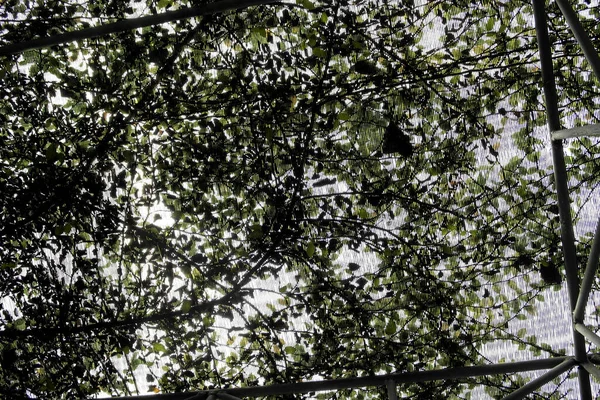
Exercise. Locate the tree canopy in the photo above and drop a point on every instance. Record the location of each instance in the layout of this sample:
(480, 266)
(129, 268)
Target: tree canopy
(317, 189)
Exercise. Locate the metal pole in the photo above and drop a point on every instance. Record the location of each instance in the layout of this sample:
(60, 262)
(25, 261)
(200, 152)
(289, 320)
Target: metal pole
(542, 380)
(585, 331)
(588, 277)
(584, 41)
(391, 390)
(133, 23)
(377, 380)
(560, 174)
(227, 396)
(580, 131)
(592, 369)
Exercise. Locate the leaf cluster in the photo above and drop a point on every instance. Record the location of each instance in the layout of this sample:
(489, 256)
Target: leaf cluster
(212, 203)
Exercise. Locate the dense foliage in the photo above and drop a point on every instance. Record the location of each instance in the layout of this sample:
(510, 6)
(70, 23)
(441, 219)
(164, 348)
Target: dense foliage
(319, 189)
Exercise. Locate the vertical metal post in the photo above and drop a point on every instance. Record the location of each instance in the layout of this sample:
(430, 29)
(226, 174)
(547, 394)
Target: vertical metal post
(584, 41)
(391, 390)
(588, 277)
(560, 174)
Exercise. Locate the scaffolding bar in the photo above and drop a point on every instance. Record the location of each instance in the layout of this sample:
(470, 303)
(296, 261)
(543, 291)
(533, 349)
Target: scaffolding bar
(391, 390)
(130, 24)
(226, 396)
(584, 41)
(591, 369)
(588, 277)
(366, 381)
(580, 131)
(560, 174)
(542, 380)
(585, 331)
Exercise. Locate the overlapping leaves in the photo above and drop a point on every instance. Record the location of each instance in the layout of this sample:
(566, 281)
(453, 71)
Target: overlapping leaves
(194, 199)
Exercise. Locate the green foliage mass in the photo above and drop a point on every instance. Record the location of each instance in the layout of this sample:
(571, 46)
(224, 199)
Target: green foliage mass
(175, 201)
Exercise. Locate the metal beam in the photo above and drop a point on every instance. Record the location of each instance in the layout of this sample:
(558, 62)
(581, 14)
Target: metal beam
(560, 174)
(585, 331)
(592, 369)
(580, 131)
(542, 380)
(560, 171)
(584, 41)
(588, 277)
(367, 381)
(226, 396)
(130, 24)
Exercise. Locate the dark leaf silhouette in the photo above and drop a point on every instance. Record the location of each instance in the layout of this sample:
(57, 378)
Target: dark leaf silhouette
(551, 275)
(366, 67)
(396, 141)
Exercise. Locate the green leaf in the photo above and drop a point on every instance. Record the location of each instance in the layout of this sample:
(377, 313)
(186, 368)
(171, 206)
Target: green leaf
(256, 232)
(20, 324)
(319, 52)
(310, 249)
(391, 328)
(186, 305)
(307, 4)
(158, 347)
(52, 152)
